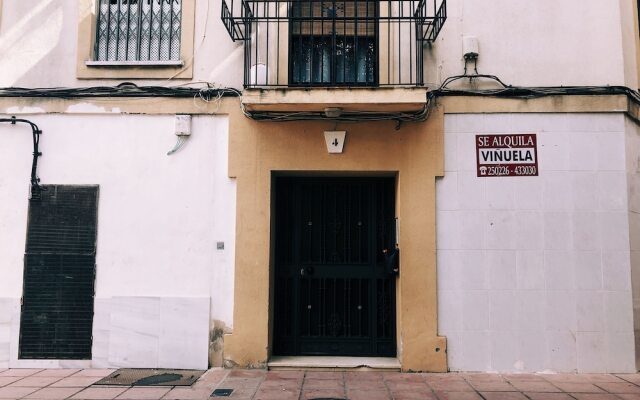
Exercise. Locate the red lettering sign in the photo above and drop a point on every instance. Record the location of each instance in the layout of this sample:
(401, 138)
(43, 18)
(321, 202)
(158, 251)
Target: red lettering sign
(507, 155)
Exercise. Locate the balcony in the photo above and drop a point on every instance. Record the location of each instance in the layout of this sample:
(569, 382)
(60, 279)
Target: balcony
(363, 55)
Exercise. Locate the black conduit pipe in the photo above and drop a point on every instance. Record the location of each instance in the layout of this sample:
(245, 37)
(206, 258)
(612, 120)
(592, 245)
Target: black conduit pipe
(36, 189)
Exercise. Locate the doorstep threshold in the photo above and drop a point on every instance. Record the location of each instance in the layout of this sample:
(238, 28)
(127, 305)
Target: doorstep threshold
(331, 363)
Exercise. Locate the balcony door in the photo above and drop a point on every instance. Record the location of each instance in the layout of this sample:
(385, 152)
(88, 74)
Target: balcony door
(333, 43)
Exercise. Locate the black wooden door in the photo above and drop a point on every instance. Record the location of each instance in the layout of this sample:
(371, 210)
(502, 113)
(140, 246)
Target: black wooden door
(333, 295)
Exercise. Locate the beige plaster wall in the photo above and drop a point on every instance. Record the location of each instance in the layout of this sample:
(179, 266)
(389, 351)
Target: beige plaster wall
(414, 153)
(452, 105)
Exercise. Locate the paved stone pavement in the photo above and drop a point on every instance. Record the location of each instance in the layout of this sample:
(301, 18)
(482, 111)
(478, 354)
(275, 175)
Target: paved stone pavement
(58, 384)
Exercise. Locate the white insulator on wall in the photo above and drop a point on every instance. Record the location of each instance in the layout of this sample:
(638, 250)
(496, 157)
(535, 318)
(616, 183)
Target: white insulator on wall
(470, 48)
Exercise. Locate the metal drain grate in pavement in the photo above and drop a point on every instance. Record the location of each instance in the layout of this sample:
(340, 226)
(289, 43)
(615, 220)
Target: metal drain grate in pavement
(151, 377)
(222, 393)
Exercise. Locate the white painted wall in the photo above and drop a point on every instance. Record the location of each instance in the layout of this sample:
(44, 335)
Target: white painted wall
(633, 182)
(160, 279)
(546, 44)
(551, 43)
(534, 272)
(38, 40)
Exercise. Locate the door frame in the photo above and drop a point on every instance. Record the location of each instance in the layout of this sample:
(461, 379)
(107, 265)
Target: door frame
(340, 178)
(415, 153)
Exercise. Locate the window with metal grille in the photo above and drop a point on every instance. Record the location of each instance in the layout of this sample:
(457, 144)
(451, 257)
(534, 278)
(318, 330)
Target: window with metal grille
(59, 273)
(138, 31)
(334, 43)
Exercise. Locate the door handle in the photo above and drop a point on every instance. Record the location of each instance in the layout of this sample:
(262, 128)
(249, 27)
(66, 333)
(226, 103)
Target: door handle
(306, 271)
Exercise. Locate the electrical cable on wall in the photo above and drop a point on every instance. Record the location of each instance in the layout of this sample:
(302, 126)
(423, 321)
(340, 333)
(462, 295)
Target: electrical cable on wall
(36, 189)
(523, 92)
(346, 116)
(520, 92)
(181, 141)
(125, 89)
(212, 94)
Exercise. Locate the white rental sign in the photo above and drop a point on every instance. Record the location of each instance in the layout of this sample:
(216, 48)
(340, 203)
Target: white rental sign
(507, 155)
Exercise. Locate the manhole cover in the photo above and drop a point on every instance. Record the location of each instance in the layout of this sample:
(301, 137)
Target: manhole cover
(222, 393)
(151, 377)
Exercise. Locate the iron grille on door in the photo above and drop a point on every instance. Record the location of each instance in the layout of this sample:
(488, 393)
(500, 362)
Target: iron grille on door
(138, 30)
(59, 274)
(332, 293)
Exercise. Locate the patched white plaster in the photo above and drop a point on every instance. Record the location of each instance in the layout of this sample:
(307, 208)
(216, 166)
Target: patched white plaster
(24, 110)
(86, 108)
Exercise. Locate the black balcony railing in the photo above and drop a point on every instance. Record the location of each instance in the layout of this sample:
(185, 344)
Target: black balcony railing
(331, 43)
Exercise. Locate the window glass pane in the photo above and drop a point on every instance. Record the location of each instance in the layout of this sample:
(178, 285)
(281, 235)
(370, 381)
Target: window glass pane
(333, 42)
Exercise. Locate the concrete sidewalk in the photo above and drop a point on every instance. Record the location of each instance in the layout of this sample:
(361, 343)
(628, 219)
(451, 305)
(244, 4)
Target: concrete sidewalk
(58, 384)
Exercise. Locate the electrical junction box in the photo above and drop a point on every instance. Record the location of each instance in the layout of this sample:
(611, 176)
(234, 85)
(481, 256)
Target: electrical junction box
(183, 125)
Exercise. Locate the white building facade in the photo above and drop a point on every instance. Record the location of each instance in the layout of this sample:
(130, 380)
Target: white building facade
(194, 251)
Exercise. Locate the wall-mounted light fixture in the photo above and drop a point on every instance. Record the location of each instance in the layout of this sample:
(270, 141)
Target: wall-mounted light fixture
(332, 112)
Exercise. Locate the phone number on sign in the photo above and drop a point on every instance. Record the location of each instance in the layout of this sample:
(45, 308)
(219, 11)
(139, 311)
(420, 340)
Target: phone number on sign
(508, 170)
